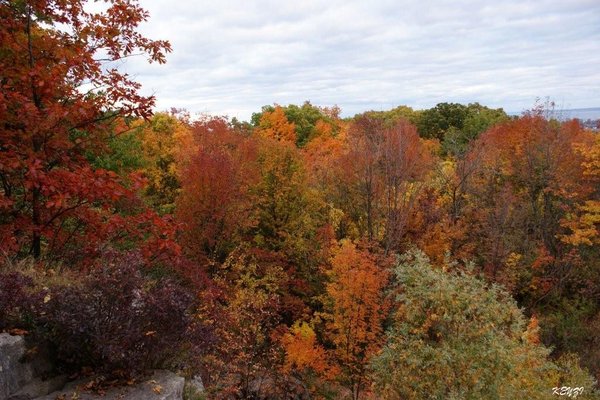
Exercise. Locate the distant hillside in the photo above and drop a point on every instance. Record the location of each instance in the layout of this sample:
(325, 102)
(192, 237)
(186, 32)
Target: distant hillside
(580, 113)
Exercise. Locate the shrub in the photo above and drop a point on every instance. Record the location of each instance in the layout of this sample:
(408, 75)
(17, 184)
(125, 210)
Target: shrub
(18, 300)
(117, 319)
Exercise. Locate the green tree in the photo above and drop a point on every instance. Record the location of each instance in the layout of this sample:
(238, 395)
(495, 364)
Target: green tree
(288, 214)
(391, 117)
(125, 154)
(478, 119)
(456, 337)
(435, 122)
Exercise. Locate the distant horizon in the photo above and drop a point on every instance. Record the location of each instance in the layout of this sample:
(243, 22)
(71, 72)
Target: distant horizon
(583, 113)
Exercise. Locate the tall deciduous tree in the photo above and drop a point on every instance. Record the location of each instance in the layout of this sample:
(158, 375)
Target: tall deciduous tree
(215, 204)
(163, 138)
(405, 161)
(59, 91)
(384, 166)
(354, 312)
(365, 145)
(528, 176)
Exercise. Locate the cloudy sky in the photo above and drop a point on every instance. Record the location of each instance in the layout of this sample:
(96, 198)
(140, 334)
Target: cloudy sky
(232, 57)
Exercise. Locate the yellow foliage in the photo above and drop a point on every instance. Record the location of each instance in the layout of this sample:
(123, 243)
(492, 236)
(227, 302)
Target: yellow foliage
(163, 139)
(584, 225)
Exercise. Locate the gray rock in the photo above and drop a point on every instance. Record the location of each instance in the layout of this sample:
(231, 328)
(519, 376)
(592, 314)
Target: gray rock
(21, 369)
(162, 385)
(14, 374)
(40, 387)
(21, 378)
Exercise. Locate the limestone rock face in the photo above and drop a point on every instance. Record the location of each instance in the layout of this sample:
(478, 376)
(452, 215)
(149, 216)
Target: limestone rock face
(162, 385)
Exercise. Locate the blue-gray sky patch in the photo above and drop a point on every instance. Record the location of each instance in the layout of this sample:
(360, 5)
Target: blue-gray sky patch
(232, 57)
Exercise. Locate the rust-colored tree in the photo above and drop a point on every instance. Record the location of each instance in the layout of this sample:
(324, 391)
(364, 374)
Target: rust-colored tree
(215, 204)
(384, 167)
(528, 178)
(365, 144)
(405, 161)
(59, 94)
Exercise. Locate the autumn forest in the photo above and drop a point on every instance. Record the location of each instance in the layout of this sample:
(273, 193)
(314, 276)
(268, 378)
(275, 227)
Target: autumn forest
(445, 253)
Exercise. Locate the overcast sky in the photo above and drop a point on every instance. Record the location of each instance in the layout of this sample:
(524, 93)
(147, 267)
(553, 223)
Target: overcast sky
(232, 57)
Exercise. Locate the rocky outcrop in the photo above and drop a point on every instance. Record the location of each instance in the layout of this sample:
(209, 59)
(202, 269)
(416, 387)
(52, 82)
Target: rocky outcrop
(39, 387)
(26, 375)
(13, 374)
(23, 373)
(162, 385)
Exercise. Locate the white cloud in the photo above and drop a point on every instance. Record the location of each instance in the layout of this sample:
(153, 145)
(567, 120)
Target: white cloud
(232, 57)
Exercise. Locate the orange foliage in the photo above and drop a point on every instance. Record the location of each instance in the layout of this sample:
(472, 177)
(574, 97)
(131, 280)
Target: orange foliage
(532, 334)
(275, 125)
(432, 229)
(355, 312)
(527, 178)
(302, 351)
(584, 223)
(322, 155)
(538, 153)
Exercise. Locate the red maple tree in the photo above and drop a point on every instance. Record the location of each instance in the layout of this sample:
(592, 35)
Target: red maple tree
(61, 97)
